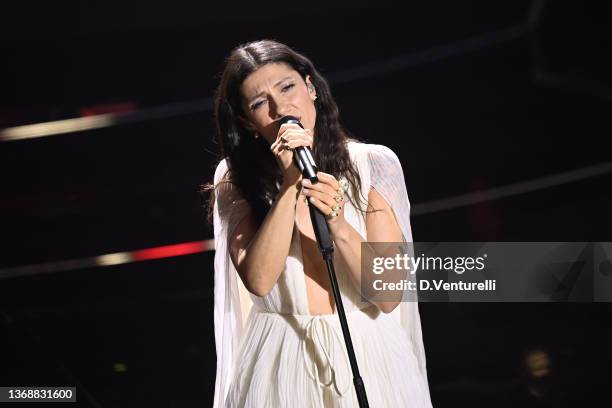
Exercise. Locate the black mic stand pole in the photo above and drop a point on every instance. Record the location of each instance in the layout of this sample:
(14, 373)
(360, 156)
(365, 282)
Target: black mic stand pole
(326, 246)
(305, 163)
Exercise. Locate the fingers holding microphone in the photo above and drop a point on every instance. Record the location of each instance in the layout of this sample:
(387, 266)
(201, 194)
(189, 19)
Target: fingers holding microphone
(290, 136)
(328, 195)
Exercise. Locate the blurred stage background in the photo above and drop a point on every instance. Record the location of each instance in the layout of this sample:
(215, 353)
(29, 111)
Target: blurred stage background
(499, 112)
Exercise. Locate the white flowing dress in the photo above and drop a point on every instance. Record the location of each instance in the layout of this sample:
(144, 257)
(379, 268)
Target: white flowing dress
(271, 352)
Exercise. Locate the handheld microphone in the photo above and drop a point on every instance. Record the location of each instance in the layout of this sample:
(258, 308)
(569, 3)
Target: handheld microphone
(302, 154)
(305, 162)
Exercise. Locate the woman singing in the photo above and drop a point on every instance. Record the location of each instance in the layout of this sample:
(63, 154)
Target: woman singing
(278, 337)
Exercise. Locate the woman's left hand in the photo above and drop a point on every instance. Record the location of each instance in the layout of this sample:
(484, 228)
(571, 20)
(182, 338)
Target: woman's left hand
(328, 196)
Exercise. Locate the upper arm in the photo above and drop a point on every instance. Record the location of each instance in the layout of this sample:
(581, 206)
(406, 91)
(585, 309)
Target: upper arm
(239, 239)
(382, 226)
(381, 223)
(234, 217)
(387, 196)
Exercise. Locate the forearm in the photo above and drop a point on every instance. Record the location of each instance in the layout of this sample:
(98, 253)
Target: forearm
(348, 243)
(265, 257)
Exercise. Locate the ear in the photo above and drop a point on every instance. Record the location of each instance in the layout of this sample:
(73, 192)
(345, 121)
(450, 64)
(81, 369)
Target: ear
(311, 89)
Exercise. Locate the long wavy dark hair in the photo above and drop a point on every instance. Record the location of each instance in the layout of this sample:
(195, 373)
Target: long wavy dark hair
(251, 164)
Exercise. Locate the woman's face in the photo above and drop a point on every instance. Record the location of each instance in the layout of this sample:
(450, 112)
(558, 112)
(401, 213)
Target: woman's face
(273, 91)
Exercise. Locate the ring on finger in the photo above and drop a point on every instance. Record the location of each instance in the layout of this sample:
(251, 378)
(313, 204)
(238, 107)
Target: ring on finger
(343, 185)
(333, 214)
(339, 198)
(336, 208)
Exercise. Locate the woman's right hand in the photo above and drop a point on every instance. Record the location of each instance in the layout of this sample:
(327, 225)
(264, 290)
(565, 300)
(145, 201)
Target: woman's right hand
(290, 136)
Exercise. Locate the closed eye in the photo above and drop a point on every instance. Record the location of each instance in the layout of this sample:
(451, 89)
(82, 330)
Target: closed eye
(287, 87)
(256, 105)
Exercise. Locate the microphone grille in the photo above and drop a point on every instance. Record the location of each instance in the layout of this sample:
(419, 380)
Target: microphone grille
(289, 119)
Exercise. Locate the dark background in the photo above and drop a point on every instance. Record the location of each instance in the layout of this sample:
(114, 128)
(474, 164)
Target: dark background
(471, 95)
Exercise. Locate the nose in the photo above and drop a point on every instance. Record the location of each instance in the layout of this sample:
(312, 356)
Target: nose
(283, 112)
(280, 108)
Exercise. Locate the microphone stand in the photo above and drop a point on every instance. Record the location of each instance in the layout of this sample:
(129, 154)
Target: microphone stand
(326, 246)
(305, 162)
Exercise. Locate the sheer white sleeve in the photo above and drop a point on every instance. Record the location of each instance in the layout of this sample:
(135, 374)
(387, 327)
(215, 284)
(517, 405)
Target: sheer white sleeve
(231, 303)
(387, 178)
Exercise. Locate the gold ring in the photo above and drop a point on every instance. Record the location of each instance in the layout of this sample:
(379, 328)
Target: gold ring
(343, 185)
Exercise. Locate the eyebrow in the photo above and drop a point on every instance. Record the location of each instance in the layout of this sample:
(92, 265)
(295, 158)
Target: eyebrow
(275, 85)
